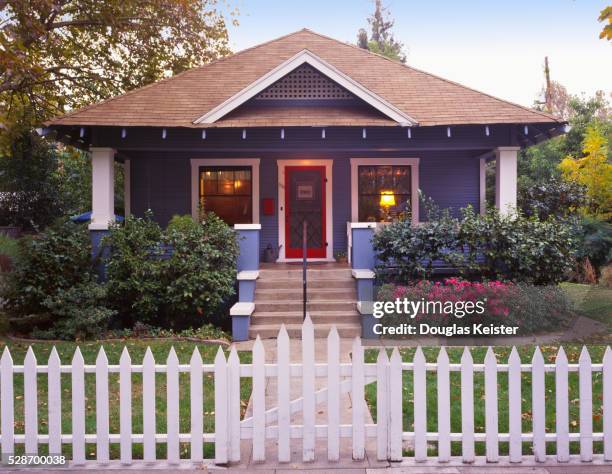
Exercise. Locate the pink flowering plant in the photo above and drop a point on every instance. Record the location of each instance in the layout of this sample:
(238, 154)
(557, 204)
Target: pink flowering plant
(532, 308)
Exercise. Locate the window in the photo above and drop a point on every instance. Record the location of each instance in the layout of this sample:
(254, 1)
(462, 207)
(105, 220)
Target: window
(384, 191)
(228, 192)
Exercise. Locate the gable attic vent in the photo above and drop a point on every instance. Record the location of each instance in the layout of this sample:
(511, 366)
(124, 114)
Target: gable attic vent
(304, 83)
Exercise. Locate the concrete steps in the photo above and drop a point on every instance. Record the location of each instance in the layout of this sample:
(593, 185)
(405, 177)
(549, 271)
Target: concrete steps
(332, 301)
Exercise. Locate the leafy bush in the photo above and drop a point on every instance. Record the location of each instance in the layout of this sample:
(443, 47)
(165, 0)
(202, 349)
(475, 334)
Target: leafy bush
(513, 247)
(172, 278)
(553, 198)
(606, 276)
(531, 308)
(9, 249)
(56, 259)
(594, 240)
(78, 312)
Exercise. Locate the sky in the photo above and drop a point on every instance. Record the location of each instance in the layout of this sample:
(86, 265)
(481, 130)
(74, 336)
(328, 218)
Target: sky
(494, 46)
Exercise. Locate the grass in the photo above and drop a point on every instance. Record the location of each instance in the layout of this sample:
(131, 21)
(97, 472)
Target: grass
(526, 352)
(113, 350)
(592, 301)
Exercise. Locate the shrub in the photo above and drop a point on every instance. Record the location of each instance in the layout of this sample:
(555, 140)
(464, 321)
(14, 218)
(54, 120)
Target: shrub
(9, 249)
(553, 198)
(56, 259)
(133, 269)
(531, 308)
(78, 312)
(173, 278)
(594, 241)
(606, 276)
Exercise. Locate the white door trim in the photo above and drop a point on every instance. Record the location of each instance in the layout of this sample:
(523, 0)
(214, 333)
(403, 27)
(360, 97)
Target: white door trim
(414, 181)
(252, 162)
(329, 223)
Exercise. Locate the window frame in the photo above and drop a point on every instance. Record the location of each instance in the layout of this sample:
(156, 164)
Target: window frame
(414, 181)
(197, 163)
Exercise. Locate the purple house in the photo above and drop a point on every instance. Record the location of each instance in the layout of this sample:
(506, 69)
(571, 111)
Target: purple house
(303, 127)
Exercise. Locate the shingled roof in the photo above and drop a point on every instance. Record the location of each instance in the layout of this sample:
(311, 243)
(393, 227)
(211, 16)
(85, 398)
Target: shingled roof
(183, 99)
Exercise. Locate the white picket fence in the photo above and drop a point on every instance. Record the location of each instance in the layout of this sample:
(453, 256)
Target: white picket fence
(275, 424)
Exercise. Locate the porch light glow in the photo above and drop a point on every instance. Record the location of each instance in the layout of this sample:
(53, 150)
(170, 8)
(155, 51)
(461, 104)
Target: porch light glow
(387, 199)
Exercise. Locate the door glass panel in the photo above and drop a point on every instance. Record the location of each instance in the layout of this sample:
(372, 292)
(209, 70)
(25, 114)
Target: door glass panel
(305, 204)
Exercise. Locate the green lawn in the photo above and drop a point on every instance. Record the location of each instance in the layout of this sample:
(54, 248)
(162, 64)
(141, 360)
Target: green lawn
(592, 301)
(113, 350)
(526, 352)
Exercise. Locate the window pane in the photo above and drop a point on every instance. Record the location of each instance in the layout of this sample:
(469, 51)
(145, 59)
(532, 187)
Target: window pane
(373, 181)
(226, 191)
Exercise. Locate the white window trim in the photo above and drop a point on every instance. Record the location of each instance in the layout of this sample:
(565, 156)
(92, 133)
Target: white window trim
(329, 222)
(414, 181)
(324, 68)
(127, 196)
(195, 188)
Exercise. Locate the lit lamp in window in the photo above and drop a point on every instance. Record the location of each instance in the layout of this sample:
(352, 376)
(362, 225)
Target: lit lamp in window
(387, 199)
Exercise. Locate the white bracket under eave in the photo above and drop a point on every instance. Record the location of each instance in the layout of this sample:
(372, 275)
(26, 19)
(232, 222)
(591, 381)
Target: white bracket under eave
(307, 57)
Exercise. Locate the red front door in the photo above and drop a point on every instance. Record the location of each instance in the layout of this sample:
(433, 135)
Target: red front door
(305, 201)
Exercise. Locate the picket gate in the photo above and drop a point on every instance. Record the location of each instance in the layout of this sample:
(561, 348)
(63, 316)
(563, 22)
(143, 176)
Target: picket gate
(387, 438)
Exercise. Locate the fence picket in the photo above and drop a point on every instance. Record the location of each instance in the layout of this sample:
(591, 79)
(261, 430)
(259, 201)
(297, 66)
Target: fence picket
(78, 408)
(538, 404)
(420, 407)
(333, 395)
(396, 415)
(514, 406)
(491, 406)
(444, 406)
(221, 432)
(586, 406)
(148, 407)
(561, 407)
(283, 355)
(102, 432)
(607, 404)
(467, 406)
(7, 403)
(54, 399)
(382, 404)
(308, 389)
(30, 395)
(197, 404)
(259, 401)
(358, 401)
(125, 406)
(233, 383)
(172, 407)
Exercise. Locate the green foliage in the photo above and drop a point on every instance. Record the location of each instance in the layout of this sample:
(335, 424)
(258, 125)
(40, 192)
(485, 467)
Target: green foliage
(31, 189)
(133, 269)
(173, 278)
(594, 241)
(381, 40)
(606, 16)
(78, 312)
(514, 247)
(555, 198)
(9, 246)
(58, 259)
(200, 272)
(64, 55)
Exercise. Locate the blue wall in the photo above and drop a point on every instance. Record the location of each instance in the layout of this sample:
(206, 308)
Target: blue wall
(161, 182)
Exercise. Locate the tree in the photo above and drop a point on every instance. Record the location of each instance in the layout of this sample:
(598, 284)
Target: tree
(606, 15)
(592, 171)
(63, 54)
(381, 40)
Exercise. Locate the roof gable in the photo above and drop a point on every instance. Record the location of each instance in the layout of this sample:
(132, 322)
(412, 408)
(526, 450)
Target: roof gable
(291, 64)
(194, 97)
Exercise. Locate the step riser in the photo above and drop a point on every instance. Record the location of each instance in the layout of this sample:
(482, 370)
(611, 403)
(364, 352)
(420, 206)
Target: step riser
(296, 333)
(297, 284)
(297, 274)
(311, 306)
(320, 319)
(313, 296)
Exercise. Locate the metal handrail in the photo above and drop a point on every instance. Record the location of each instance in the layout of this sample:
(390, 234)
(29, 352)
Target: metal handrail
(304, 267)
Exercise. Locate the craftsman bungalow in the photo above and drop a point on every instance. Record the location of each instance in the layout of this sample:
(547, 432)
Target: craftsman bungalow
(303, 127)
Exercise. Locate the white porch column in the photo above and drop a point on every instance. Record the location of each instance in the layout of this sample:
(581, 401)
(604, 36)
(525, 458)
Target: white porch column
(102, 188)
(505, 178)
(483, 186)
